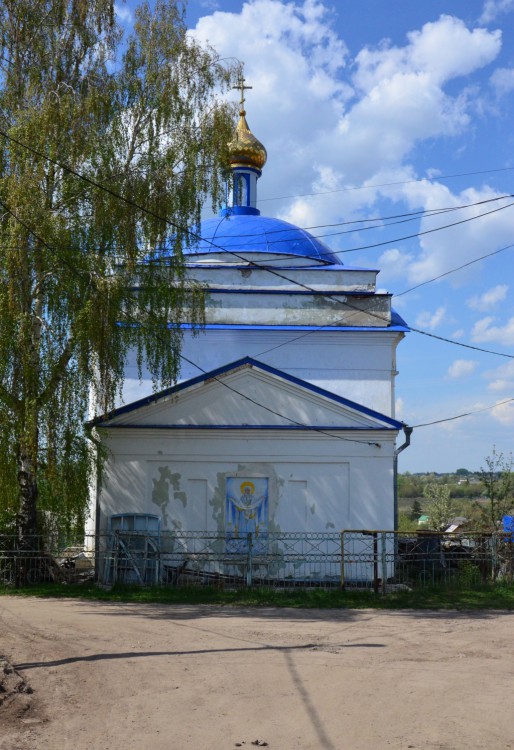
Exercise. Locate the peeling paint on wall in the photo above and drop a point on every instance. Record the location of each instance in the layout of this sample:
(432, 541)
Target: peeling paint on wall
(161, 491)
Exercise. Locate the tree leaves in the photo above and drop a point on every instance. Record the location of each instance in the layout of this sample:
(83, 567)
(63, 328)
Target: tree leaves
(149, 126)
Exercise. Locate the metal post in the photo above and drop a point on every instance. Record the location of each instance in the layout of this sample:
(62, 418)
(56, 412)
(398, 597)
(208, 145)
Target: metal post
(494, 556)
(384, 561)
(342, 560)
(249, 560)
(375, 562)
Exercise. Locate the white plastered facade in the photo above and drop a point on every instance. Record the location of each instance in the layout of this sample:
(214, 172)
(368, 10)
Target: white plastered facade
(171, 455)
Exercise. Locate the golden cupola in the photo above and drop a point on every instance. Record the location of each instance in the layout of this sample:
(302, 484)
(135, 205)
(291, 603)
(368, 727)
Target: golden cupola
(245, 149)
(247, 156)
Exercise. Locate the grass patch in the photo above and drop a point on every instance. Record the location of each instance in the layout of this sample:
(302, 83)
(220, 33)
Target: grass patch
(500, 596)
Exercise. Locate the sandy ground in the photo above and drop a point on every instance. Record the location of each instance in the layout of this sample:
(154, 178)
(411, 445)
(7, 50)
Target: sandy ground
(121, 676)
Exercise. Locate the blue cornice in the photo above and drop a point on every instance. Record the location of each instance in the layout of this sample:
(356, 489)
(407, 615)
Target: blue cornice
(240, 211)
(292, 292)
(293, 428)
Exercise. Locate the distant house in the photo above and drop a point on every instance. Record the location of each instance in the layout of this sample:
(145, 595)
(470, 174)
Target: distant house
(459, 523)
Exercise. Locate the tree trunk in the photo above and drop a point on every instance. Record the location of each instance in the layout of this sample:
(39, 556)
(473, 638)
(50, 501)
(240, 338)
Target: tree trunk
(27, 543)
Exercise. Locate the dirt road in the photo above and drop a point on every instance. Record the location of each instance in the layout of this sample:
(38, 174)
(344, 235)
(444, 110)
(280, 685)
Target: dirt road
(122, 676)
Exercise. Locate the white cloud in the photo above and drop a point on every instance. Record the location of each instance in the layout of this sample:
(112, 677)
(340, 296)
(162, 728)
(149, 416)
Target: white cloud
(484, 330)
(431, 320)
(502, 377)
(489, 299)
(394, 264)
(462, 367)
(504, 412)
(399, 408)
(344, 125)
(209, 4)
(458, 334)
(123, 13)
(494, 8)
(295, 61)
(487, 230)
(441, 50)
(502, 80)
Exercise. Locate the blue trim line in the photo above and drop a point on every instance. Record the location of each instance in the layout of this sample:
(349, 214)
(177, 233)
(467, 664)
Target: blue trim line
(308, 428)
(289, 292)
(246, 361)
(286, 292)
(336, 268)
(397, 320)
(296, 329)
(293, 329)
(240, 210)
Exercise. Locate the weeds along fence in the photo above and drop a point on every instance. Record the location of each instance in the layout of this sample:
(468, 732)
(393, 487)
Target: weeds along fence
(382, 561)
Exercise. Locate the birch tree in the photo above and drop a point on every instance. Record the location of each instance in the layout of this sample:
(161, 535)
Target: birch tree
(82, 107)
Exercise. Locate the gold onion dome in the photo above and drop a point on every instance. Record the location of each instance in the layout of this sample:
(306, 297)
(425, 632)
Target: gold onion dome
(244, 149)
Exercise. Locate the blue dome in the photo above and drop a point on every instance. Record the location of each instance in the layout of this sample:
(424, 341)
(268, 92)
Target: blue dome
(252, 233)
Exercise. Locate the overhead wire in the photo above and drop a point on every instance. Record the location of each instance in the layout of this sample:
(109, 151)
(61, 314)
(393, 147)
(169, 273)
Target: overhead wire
(387, 184)
(404, 217)
(453, 270)
(465, 414)
(131, 299)
(406, 291)
(196, 236)
(272, 271)
(411, 236)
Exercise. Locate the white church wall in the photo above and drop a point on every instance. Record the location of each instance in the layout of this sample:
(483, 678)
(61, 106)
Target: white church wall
(314, 484)
(358, 366)
(321, 279)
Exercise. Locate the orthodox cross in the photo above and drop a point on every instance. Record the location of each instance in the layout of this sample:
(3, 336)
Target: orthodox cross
(241, 86)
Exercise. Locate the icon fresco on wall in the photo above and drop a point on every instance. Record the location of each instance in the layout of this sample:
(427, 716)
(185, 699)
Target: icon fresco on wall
(246, 511)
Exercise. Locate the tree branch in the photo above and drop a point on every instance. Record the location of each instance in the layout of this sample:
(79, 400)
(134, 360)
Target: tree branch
(58, 373)
(10, 401)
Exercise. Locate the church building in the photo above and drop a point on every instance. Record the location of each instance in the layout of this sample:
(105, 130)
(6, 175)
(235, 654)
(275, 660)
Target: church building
(283, 418)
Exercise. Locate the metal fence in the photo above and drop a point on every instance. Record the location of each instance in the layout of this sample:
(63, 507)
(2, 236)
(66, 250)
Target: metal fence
(382, 561)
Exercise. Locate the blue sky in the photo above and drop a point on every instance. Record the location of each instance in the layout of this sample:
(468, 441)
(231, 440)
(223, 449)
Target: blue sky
(388, 108)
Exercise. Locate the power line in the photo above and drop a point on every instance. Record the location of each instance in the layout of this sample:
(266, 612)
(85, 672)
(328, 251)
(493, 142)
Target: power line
(135, 205)
(404, 217)
(132, 300)
(195, 235)
(331, 252)
(231, 252)
(272, 271)
(459, 343)
(453, 270)
(278, 414)
(412, 236)
(465, 414)
(387, 184)
(400, 294)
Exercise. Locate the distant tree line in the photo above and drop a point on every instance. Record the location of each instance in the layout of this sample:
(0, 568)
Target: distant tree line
(440, 497)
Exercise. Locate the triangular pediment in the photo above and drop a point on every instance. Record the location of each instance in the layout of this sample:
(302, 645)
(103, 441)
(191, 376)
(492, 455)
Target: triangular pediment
(247, 394)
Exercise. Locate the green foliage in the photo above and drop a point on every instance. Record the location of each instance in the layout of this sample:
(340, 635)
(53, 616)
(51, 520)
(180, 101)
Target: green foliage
(149, 127)
(498, 487)
(499, 596)
(462, 472)
(406, 522)
(416, 510)
(439, 507)
(409, 486)
(467, 490)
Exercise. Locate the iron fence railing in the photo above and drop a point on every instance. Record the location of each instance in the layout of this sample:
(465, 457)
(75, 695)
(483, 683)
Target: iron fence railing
(379, 560)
